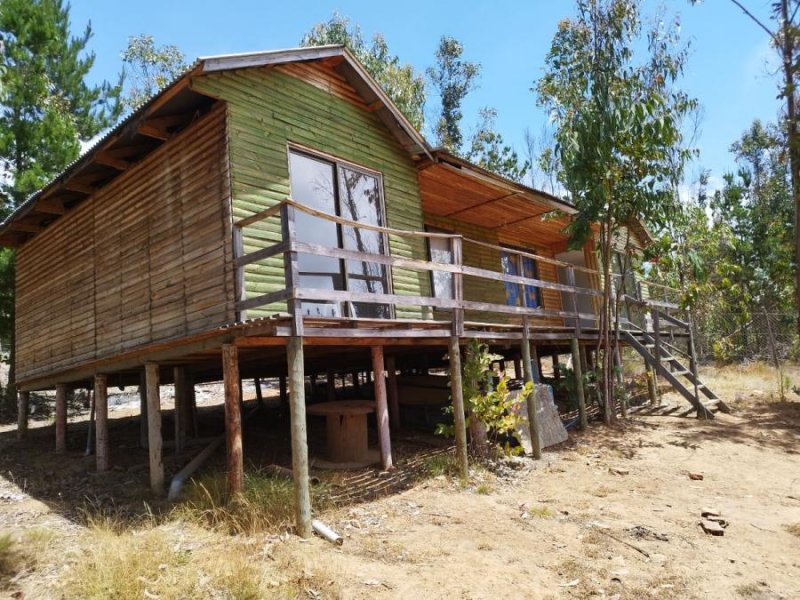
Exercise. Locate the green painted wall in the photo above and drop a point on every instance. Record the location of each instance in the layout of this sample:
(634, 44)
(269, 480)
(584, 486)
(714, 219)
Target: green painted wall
(266, 110)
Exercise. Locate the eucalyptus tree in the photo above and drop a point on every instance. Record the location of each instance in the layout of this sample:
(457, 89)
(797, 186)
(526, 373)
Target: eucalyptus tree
(148, 68)
(617, 118)
(453, 78)
(400, 81)
(785, 38)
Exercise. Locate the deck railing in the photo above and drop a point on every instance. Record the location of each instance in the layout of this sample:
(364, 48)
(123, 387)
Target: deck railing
(294, 294)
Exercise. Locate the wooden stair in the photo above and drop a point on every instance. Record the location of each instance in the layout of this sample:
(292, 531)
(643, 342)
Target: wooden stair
(658, 355)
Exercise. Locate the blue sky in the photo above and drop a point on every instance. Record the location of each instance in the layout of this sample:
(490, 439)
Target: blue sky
(729, 69)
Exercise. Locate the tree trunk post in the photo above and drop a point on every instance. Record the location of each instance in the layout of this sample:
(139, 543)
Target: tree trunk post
(527, 368)
(652, 385)
(578, 374)
(382, 408)
(297, 401)
(143, 422)
(330, 381)
(181, 408)
(457, 394)
(154, 440)
(101, 422)
(623, 400)
(392, 393)
(61, 418)
(233, 419)
(23, 406)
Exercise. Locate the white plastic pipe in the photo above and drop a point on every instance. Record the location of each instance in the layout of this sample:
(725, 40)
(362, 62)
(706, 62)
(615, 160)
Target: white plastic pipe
(326, 532)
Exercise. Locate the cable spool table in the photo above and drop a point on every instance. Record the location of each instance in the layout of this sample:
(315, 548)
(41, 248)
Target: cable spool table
(346, 422)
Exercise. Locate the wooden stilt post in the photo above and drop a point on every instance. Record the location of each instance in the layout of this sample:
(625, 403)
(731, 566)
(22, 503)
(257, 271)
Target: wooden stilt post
(527, 368)
(192, 403)
(556, 367)
(101, 422)
(143, 427)
(23, 406)
(578, 373)
(652, 385)
(330, 379)
(518, 373)
(90, 431)
(297, 400)
(181, 408)
(154, 440)
(382, 408)
(391, 392)
(282, 392)
(61, 418)
(233, 419)
(536, 365)
(620, 380)
(457, 394)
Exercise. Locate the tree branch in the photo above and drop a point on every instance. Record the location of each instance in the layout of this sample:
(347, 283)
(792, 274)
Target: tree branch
(758, 22)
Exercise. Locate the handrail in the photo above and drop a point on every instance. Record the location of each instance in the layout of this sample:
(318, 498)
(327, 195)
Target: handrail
(290, 247)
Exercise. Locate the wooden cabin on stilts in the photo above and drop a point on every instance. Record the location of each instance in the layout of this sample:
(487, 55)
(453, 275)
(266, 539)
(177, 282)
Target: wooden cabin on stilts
(274, 215)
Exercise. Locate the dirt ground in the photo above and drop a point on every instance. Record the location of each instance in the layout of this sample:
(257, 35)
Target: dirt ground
(611, 513)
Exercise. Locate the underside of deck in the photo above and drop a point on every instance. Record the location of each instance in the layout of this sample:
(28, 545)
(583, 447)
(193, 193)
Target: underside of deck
(330, 344)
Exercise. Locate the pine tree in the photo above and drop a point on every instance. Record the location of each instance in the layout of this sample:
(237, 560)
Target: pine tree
(46, 110)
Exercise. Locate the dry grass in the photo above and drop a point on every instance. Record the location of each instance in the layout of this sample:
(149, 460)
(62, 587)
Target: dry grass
(11, 558)
(793, 528)
(729, 381)
(438, 465)
(177, 561)
(266, 505)
(541, 512)
(148, 564)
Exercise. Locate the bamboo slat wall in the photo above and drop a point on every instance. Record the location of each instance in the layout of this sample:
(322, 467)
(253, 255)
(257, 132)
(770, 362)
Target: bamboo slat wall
(146, 259)
(310, 105)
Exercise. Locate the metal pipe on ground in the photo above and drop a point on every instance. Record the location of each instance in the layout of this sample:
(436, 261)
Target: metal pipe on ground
(180, 478)
(326, 532)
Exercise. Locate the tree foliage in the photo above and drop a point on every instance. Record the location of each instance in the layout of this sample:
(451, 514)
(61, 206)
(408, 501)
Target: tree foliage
(400, 81)
(148, 68)
(733, 250)
(488, 149)
(46, 109)
(453, 78)
(618, 129)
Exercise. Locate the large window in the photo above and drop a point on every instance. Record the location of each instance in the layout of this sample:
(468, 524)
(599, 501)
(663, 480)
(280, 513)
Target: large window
(352, 193)
(440, 250)
(518, 294)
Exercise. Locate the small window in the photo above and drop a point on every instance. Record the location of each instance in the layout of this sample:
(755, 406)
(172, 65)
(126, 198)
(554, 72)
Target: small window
(518, 294)
(440, 250)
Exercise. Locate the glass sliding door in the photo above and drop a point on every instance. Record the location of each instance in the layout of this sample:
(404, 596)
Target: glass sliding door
(360, 200)
(313, 184)
(353, 194)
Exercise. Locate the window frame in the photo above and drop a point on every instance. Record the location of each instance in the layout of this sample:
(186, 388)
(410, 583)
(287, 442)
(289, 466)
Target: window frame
(512, 250)
(336, 163)
(432, 274)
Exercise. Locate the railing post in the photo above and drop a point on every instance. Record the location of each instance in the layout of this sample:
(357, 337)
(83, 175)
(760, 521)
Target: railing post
(458, 287)
(693, 357)
(291, 268)
(657, 338)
